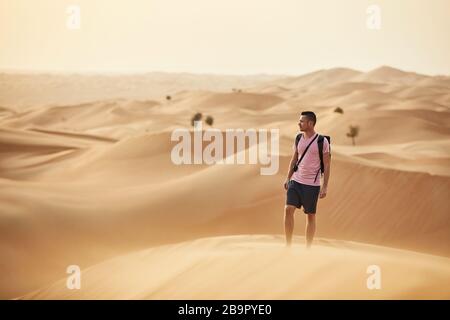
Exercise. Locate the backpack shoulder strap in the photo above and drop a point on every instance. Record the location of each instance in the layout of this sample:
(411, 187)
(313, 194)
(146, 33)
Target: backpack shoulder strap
(320, 144)
(297, 139)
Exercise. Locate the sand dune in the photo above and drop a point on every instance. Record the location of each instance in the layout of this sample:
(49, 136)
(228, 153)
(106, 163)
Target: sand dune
(258, 267)
(236, 100)
(414, 157)
(27, 90)
(321, 78)
(88, 179)
(98, 205)
(386, 74)
(83, 116)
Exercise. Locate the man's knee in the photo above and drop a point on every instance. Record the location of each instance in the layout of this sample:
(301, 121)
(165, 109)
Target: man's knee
(289, 210)
(311, 218)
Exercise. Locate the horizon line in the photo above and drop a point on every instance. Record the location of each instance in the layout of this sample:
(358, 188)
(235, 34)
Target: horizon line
(130, 72)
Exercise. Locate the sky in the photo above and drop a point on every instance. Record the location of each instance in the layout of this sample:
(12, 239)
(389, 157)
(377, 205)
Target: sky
(224, 36)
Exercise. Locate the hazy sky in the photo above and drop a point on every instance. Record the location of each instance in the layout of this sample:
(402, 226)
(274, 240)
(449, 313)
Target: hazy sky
(224, 36)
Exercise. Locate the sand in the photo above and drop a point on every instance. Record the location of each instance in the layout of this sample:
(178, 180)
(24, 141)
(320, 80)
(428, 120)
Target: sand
(259, 267)
(86, 178)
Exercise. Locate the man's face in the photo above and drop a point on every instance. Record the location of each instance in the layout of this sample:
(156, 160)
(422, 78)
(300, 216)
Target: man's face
(304, 123)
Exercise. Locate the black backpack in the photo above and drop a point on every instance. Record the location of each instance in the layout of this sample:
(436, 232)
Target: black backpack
(320, 143)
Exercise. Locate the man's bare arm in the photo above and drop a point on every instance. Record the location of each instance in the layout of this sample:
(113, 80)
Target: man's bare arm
(291, 168)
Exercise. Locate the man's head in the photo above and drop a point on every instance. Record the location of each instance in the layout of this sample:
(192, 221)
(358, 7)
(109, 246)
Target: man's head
(307, 120)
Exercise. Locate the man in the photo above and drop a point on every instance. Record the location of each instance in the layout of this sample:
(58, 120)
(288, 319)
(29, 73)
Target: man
(303, 185)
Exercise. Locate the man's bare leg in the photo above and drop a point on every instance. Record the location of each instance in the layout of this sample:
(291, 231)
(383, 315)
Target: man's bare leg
(289, 223)
(310, 229)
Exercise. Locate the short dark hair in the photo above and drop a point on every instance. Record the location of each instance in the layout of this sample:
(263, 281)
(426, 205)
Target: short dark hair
(310, 115)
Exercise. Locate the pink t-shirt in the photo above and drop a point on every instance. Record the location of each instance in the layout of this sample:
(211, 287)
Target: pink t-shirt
(310, 165)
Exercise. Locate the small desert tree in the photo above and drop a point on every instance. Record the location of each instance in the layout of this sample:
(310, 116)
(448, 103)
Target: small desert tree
(197, 117)
(353, 133)
(168, 98)
(209, 120)
(339, 110)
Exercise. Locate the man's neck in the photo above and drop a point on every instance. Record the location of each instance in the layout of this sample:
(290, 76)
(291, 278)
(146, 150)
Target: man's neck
(309, 134)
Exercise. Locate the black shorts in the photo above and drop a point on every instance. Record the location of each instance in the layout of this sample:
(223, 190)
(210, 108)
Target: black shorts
(299, 194)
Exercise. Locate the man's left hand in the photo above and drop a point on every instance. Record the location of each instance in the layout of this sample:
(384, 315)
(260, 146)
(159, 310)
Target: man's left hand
(323, 192)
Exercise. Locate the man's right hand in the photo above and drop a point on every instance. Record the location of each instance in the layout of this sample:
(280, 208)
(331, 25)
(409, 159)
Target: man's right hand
(286, 183)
